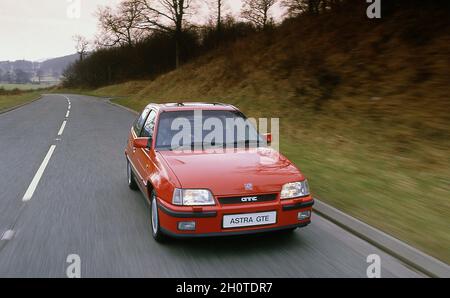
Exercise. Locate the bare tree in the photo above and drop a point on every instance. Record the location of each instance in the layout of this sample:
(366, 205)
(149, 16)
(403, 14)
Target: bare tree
(217, 7)
(121, 26)
(136, 19)
(257, 12)
(167, 16)
(296, 7)
(22, 77)
(219, 14)
(81, 45)
(217, 10)
(39, 74)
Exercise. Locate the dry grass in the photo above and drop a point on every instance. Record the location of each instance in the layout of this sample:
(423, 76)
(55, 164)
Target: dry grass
(9, 101)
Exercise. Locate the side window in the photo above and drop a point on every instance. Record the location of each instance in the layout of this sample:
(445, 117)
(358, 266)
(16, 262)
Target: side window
(139, 123)
(147, 132)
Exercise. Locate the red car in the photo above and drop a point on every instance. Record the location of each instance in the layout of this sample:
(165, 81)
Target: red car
(230, 184)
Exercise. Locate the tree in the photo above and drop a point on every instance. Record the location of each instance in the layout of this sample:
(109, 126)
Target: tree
(219, 14)
(39, 74)
(296, 7)
(81, 45)
(257, 12)
(136, 19)
(167, 16)
(217, 7)
(21, 76)
(8, 77)
(121, 26)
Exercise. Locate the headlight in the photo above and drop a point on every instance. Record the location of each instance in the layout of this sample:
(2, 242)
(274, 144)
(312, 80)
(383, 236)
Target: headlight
(192, 197)
(295, 189)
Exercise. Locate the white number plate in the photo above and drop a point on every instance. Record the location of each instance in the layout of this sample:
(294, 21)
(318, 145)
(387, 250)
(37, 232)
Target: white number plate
(249, 219)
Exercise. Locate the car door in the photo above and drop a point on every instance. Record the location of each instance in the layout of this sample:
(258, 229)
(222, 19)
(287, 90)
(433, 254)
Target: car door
(132, 151)
(143, 155)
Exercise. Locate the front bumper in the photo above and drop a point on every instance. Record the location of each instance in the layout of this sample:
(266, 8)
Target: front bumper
(208, 220)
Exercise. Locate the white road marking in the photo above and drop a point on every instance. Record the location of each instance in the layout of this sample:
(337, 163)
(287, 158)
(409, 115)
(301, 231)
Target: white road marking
(61, 130)
(7, 235)
(34, 183)
(37, 177)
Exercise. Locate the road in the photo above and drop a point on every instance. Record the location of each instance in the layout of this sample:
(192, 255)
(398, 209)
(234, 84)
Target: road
(79, 203)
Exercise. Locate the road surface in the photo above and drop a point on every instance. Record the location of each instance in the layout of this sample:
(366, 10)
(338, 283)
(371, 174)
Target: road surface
(63, 191)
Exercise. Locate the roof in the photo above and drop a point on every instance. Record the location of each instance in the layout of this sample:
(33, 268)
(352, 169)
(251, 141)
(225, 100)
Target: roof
(193, 106)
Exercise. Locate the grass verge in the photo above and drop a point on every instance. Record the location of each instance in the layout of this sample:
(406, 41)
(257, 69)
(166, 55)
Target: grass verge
(8, 101)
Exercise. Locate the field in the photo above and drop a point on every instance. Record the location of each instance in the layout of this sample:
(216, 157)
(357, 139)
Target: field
(24, 86)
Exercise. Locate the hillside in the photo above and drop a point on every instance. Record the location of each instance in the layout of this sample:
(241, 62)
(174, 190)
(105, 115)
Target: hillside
(51, 68)
(57, 65)
(363, 105)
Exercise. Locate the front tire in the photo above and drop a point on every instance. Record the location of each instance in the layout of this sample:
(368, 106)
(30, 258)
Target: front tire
(156, 228)
(130, 177)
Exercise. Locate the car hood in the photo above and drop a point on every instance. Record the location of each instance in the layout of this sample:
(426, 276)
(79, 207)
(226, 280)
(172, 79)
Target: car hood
(227, 172)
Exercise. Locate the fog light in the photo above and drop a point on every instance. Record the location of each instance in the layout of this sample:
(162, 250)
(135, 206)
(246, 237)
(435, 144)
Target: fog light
(186, 226)
(304, 215)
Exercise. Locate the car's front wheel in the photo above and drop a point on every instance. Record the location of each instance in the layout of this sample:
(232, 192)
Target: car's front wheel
(156, 229)
(130, 177)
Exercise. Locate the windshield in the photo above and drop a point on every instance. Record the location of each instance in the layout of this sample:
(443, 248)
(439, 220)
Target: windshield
(200, 129)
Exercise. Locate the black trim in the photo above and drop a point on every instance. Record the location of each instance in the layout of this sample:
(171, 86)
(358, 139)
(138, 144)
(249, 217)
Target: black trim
(238, 199)
(220, 234)
(186, 214)
(298, 205)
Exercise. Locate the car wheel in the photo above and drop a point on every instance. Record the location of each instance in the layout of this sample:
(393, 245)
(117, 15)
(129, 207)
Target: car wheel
(130, 177)
(156, 229)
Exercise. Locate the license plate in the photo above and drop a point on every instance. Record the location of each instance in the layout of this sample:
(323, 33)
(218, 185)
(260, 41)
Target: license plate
(249, 219)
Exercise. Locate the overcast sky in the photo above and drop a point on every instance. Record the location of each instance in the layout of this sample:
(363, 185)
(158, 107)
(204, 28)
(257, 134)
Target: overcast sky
(35, 30)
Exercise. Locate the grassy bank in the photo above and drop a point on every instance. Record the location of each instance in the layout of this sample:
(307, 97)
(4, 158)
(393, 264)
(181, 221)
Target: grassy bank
(11, 100)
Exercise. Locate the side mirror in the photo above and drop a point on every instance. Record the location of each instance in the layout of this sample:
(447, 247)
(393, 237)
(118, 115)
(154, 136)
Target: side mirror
(142, 143)
(268, 137)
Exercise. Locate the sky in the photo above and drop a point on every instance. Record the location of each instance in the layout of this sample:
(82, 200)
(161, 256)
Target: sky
(37, 30)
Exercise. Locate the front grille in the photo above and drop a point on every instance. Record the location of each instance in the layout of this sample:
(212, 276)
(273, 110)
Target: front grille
(247, 199)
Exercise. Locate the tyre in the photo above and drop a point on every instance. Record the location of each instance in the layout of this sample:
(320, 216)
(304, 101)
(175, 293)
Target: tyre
(130, 177)
(156, 229)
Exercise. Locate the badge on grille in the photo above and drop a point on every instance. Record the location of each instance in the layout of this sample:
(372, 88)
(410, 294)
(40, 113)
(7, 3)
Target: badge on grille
(248, 186)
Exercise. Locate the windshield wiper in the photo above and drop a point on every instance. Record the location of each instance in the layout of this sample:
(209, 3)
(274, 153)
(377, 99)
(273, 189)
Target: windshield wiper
(192, 146)
(246, 142)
